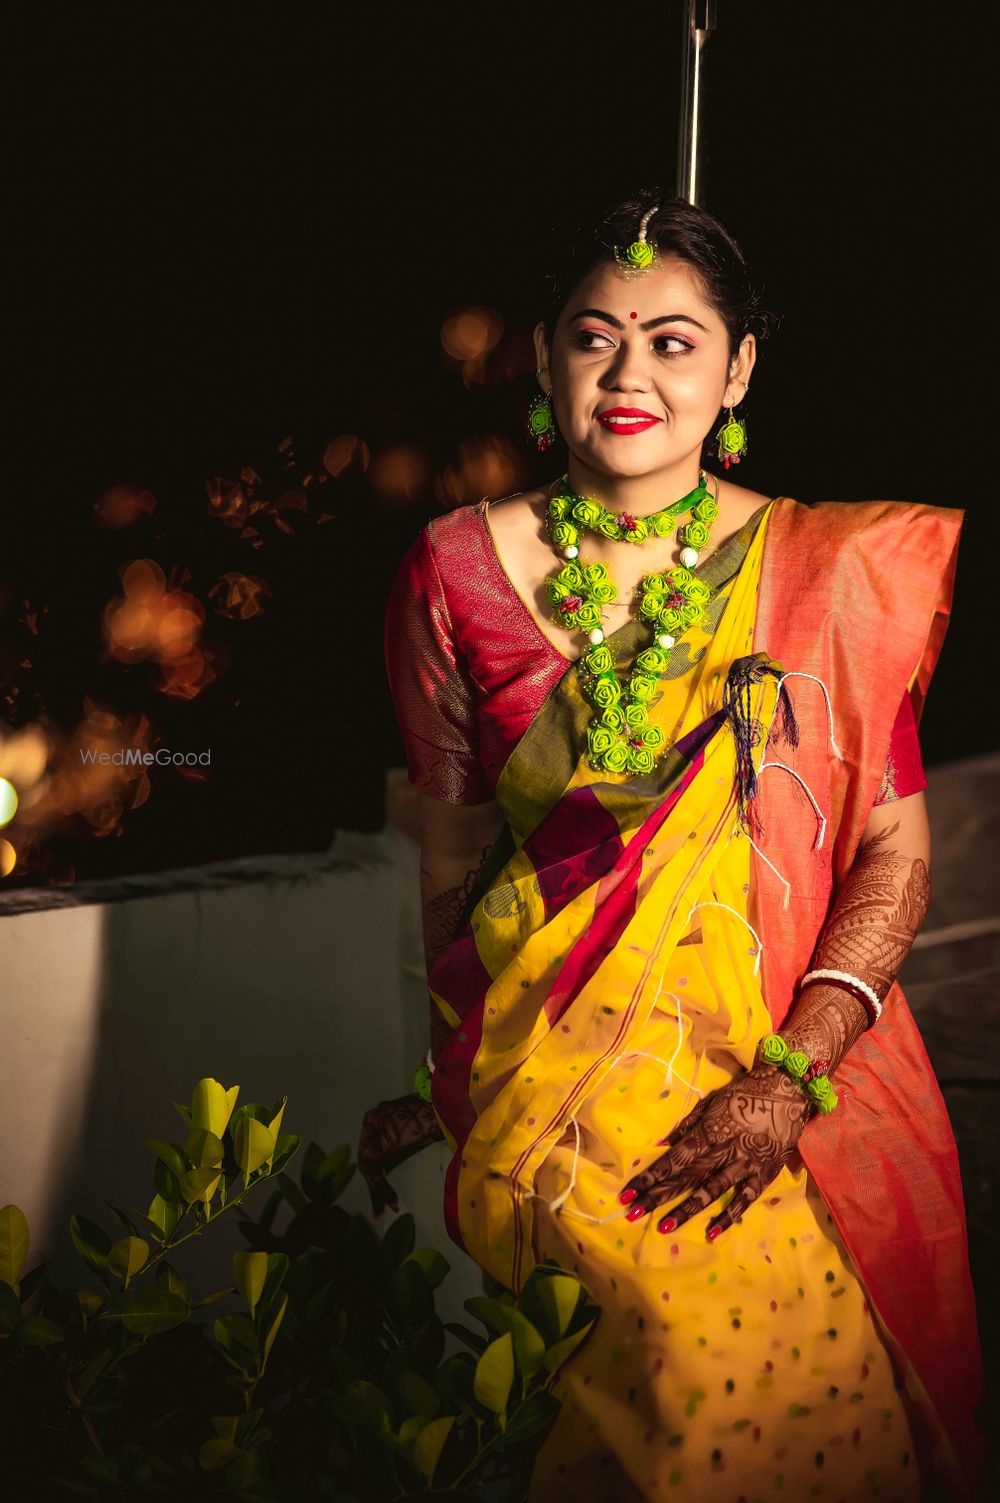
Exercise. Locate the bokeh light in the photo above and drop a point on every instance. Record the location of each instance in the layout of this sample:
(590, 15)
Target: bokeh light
(122, 505)
(470, 333)
(399, 475)
(8, 801)
(486, 465)
(345, 453)
(238, 596)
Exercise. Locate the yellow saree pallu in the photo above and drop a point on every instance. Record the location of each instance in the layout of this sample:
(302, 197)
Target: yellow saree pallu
(606, 978)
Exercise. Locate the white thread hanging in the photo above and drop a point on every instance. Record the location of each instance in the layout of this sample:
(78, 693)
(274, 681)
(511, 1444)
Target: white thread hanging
(783, 880)
(821, 817)
(795, 673)
(669, 1072)
(709, 903)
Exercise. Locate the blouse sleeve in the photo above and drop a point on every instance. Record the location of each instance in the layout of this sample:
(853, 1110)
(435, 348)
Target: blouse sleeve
(904, 768)
(431, 688)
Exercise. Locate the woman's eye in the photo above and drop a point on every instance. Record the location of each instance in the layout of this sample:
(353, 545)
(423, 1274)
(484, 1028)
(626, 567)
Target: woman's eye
(681, 346)
(587, 334)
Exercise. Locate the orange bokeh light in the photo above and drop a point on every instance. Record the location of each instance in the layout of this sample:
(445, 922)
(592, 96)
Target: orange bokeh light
(121, 505)
(341, 453)
(143, 580)
(399, 474)
(470, 333)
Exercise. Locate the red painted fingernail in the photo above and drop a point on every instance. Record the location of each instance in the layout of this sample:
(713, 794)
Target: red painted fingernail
(635, 1212)
(627, 1195)
(714, 1232)
(662, 1142)
(668, 1225)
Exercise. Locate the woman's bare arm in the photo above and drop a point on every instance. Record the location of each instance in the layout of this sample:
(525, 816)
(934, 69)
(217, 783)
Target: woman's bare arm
(456, 841)
(874, 921)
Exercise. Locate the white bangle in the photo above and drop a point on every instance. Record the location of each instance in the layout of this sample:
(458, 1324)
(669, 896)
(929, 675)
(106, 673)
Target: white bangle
(862, 986)
(429, 1062)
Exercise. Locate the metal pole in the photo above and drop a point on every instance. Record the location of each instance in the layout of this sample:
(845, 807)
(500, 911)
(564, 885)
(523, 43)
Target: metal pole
(698, 21)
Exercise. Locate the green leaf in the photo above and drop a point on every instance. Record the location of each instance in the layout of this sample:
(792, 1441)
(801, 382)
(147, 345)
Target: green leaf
(123, 1217)
(148, 1312)
(529, 1346)
(236, 1331)
(162, 1217)
(556, 1355)
(89, 1375)
(254, 1145)
(91, 1242)
(199, 1184)
(464, 1334)
(168, 1278)
(226, 1425)
(558, 1296)
(13, 1243)
(10, 1310)
(212, 1105)
(274, 1127)
(104, 1468)
(495, 1374)
(167, 1184)
(249, 1275)
(430, 1443)
(489, 1311)
(169, 1155)
(411, 1428)
(275, 1326)
(38, 1331)
(417, 1395)
(284, 1149)
(127, 1256)
(215, 1453)
(277, 1271)
(435, 1267)
(375, 1402)
(398, 1241)
(533, 1415)
(204, 1149)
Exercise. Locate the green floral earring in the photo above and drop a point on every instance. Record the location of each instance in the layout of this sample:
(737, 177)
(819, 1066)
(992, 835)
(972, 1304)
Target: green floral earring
(731, 439)
(541, 425)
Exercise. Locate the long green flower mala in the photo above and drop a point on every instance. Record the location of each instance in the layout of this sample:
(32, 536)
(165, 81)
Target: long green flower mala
(619, 737)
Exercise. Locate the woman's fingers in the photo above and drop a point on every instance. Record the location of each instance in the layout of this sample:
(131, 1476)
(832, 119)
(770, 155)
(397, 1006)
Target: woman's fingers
(714, 1186)
(746, 1194)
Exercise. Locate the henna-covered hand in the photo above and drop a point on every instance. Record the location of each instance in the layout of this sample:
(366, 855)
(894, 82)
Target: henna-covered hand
(391, 1133)
(738, 1137)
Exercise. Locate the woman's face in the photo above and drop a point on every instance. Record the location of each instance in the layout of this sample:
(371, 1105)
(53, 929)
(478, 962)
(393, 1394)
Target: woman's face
(651, 345)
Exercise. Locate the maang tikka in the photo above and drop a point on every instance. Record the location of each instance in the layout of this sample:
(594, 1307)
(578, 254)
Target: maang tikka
(640, 256)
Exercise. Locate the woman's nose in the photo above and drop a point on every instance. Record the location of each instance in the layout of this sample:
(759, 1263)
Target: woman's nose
(628, 371)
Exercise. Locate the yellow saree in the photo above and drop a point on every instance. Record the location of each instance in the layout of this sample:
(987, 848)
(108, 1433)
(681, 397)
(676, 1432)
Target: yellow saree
(607, 977)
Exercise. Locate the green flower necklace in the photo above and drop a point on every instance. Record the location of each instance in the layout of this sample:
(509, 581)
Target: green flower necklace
(619, 736)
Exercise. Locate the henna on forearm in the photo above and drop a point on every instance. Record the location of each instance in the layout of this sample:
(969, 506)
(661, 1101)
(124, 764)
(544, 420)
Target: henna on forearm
(442, 914)
(442, 911)
(876, 917)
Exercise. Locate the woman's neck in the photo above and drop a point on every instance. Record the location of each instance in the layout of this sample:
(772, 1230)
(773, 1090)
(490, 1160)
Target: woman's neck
(639, 495)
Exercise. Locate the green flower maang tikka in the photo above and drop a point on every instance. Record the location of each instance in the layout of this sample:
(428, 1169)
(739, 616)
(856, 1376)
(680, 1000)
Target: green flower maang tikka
(641, 256)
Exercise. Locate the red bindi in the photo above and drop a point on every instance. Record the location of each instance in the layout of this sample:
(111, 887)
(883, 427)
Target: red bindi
(633, 315)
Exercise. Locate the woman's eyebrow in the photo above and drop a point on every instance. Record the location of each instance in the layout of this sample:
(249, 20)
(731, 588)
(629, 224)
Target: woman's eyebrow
(668, 318)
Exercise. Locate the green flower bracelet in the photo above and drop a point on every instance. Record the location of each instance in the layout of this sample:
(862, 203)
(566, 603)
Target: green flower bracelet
(795, 1062)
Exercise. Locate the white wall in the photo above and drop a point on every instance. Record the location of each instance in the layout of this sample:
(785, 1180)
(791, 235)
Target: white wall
(297, 975)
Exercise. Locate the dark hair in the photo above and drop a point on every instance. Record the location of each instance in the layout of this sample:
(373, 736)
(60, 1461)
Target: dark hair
(679, 229)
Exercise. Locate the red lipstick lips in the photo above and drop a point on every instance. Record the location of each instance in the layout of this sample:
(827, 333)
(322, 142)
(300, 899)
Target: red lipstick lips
(626, 420)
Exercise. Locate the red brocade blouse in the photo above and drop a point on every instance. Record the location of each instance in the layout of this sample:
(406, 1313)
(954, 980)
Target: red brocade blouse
(469, 667)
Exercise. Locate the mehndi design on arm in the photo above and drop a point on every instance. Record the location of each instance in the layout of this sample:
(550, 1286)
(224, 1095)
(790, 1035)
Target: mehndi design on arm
(875, 919)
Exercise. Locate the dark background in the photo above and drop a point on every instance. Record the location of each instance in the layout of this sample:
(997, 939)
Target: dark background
(234, 224)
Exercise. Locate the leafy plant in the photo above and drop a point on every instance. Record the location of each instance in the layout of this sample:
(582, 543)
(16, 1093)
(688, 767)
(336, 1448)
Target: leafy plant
(327, 1377)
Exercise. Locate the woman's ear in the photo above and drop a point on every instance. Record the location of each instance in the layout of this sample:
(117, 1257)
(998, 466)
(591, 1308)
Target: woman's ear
(739, 371)
(542, 357)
